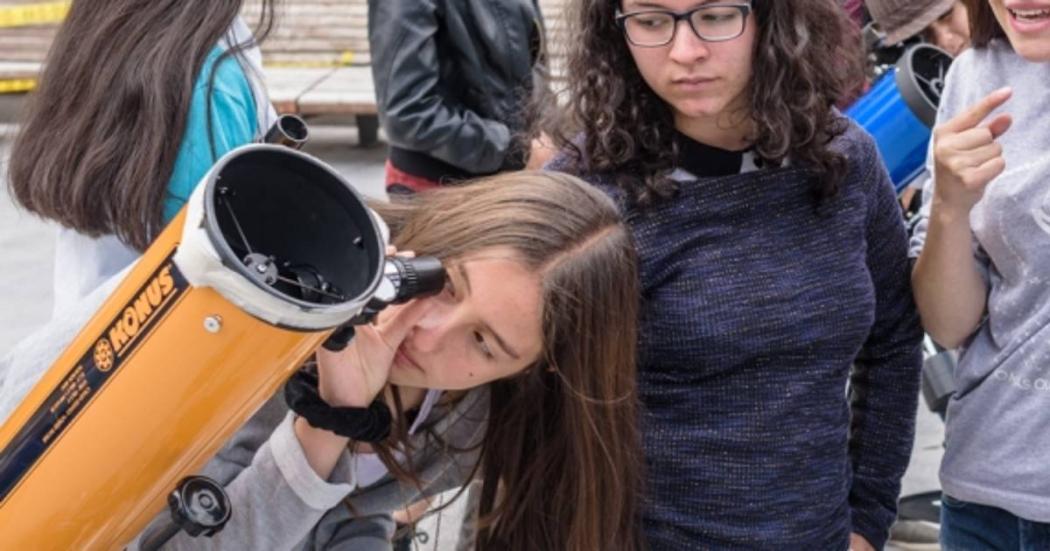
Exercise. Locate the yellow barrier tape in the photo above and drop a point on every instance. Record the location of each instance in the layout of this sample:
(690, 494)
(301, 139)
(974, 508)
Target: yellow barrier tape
(33, 14)
(345, 59)
(13, 86)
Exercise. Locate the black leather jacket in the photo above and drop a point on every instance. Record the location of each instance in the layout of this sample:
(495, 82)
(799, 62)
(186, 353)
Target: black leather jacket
(452, 80)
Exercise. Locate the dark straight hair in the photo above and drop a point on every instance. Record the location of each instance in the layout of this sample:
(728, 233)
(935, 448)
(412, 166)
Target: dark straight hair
(983, 25)
(101, 133)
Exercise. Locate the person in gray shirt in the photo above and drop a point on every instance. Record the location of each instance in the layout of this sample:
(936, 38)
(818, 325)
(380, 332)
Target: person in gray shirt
(983, 249)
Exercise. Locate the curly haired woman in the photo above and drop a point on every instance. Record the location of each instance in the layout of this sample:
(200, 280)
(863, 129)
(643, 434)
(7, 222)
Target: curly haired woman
(773, 263)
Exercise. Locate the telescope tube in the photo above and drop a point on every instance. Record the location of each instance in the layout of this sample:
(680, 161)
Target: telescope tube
(206, 326)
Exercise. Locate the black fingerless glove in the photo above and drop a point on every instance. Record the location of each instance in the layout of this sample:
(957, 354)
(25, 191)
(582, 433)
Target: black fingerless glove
(370, 424)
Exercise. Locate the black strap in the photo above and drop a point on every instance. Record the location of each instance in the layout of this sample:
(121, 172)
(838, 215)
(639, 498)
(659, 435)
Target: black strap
(371, 424)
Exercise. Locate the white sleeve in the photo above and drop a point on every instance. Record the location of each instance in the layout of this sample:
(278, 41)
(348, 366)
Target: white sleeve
(276, 500)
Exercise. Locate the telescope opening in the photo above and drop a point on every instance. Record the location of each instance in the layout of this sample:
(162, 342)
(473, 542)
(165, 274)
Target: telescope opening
(920, 79)
(292, 227)
(294, 127)
(289, 130)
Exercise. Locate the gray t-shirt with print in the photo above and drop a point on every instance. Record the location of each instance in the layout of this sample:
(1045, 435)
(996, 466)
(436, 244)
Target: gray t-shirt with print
(998, 434)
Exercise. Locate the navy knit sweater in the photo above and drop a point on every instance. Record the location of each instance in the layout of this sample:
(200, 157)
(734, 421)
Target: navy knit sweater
(756, 304)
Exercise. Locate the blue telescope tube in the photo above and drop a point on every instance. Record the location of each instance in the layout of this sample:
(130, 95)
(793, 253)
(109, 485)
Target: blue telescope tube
(900, 108)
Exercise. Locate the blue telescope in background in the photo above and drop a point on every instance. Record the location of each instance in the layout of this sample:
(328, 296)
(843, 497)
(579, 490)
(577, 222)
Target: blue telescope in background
(900, 108)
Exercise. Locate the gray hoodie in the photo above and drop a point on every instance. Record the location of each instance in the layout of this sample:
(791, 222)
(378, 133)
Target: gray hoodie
(998, 442)
(280, 503)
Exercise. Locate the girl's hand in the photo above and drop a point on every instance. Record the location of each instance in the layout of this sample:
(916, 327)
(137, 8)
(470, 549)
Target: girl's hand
(966, 155)
(354, 376)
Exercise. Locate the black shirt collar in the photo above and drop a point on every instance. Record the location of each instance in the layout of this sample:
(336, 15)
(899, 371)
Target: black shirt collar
(705, 161)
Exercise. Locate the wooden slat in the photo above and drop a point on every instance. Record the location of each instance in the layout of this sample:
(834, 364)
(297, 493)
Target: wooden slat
(345, 91)
(16, 70)
(312, 32)
(25, 43)
(286, 85)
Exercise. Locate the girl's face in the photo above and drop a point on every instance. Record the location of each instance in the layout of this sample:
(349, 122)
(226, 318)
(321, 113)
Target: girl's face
(951, 32)
(1027, 25)
(699, 80)
(486, 325)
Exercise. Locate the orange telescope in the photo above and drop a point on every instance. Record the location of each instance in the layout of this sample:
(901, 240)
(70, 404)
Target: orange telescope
(273, 250)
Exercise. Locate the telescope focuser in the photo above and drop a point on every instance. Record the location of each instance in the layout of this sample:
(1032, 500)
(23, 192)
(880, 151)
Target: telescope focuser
(288, 130)
(199, 506)
(403, 279)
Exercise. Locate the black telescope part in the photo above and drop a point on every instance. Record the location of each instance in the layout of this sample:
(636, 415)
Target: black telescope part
(403, 279)
(415, 277)
(310, 283)
(886, 57)
(289, 130)
(200, 506)
(269, 208)
(920, 80)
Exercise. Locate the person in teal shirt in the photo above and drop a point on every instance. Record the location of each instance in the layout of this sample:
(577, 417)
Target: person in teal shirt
(212, 130)
(137, 101)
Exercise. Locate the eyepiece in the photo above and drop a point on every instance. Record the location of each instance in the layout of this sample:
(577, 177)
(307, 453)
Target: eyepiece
(414, 277)
(288, 130)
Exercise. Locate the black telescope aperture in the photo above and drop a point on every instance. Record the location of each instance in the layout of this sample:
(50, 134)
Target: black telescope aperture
(292, 227)
(920, 79)
(289, 130)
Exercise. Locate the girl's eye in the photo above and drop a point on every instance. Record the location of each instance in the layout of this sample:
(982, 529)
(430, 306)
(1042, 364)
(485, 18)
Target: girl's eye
(482, 345)
(450, 288)
(652, 22)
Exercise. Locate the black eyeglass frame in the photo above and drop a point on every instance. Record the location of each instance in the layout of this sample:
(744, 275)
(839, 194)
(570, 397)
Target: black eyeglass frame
(621, 22)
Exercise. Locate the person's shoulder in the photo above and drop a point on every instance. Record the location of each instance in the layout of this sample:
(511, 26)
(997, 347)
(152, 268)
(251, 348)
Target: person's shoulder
(571, 162)
(227, 78)
(461, 419)
(984, 67)
(854, 142)
(863, 156)
(974, 74)
(997, 52)
(571, 158)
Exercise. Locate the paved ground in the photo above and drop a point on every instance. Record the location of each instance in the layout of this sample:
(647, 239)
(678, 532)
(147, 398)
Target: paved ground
(26, 251)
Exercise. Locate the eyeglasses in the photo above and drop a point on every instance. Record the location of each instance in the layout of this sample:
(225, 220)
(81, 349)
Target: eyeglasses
(710, 22)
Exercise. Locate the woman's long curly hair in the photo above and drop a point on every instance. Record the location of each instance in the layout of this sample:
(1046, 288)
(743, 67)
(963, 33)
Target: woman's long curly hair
(805, 60)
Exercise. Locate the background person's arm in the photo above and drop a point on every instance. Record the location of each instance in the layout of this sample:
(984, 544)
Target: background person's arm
(949, 289)
(884, 382)
(402, 38)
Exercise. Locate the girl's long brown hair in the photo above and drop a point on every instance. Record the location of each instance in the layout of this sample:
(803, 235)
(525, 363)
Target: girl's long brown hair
(806, 59)
(102, 131)
(983, 25)
(560, 461)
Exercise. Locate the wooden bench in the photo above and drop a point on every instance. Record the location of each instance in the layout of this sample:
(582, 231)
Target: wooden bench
(315, 59)
(27, 28)
(334, 34)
